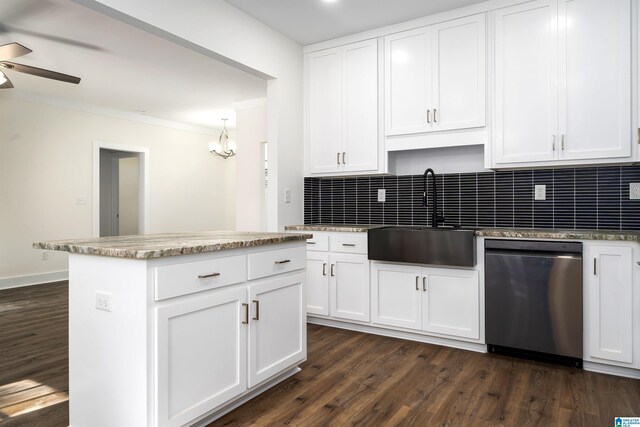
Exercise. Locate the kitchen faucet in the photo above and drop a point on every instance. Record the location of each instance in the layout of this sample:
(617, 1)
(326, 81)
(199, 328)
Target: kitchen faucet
(435, 219)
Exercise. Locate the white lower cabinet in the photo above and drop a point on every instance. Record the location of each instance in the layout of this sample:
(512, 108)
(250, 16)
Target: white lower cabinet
(349, 286)
(201, 354)
(318, 283)
(338, 276)
(434, 300)
(609, 299)
(277, 335)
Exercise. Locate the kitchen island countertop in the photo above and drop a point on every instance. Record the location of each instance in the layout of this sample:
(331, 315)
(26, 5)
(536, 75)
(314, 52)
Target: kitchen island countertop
(168, 244)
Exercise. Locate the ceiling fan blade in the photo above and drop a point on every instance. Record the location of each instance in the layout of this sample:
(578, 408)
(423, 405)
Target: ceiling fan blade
(7, 84)
(10, 29)
(40, 72)
(12, 50)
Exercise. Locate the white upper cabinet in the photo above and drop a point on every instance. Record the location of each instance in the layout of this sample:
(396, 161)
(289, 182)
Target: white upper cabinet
(562, 82)
(595, 78)
(435, 77)
(526, 89)
(341, 118)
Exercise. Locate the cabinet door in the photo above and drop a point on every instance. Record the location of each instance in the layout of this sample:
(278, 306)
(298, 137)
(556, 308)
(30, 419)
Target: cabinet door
(318, 283)
(324, 110)
(349, 284)
(277, 333)
(451, 302)
(526, 93)
(201, 354)
(459, 65)
(360, 106)
(595, 78)
(408, 81)
(396, 295)
(609, 320)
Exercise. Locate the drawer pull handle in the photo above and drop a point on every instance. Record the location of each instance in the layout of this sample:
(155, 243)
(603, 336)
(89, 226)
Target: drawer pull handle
(595, 266)
(246, 313)
(257, 310)
(349, 244)
(424, 284)
(311, 243)
(332, 273)
(284, 261)
(417, 283)
(324, 269)
(206, 276)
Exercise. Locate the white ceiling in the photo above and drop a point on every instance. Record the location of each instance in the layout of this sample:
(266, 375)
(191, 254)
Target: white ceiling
(312, 21)
(121, 67)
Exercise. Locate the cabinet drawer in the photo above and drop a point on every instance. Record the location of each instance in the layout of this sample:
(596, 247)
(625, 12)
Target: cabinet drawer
(189, 277)
(318, 243)
(263, 264)
(349, 244)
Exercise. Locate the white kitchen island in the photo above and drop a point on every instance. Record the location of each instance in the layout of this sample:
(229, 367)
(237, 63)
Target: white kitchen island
(178, 329)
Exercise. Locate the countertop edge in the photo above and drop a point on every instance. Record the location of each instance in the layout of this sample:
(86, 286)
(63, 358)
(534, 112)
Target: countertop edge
(168, 251)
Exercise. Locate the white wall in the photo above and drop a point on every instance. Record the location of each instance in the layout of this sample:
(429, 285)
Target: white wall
(219, 30)
(251, 133)
(46, 157)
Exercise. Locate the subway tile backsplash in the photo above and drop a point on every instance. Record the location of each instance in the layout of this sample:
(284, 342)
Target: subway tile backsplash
(577, 198)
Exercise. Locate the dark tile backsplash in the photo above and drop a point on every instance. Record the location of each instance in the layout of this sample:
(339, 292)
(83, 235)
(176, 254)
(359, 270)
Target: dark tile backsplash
(580, 198)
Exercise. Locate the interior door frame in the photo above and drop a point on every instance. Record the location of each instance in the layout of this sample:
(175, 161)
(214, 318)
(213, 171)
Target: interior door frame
(143, 190)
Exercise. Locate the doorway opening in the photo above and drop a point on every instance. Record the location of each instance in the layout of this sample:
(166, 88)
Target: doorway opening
(120, 190)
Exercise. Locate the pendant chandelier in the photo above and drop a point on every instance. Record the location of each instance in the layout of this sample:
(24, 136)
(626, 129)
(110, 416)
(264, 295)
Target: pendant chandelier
(224, 147)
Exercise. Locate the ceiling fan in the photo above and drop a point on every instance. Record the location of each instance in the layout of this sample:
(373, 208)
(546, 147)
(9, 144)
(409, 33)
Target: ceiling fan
(15, 50)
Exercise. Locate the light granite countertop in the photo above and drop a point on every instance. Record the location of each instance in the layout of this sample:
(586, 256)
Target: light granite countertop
(528, 233)
(513, 233)
(169, 244)
(344, 228)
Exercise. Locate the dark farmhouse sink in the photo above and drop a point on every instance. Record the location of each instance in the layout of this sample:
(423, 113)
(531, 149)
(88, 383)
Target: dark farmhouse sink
(423, 245)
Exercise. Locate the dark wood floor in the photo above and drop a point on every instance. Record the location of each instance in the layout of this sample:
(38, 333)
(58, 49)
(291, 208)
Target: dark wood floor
(34, 351)
(349, 379)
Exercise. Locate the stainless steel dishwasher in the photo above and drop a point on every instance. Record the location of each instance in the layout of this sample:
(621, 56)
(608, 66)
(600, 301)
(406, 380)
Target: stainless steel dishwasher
(533, 293)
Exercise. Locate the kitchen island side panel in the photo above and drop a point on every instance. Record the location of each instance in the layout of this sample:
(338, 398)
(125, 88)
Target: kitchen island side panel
(108, 349)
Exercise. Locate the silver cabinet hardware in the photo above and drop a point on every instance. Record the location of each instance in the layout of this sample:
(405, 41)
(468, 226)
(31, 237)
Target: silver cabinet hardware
(338, 158)
(206, 276)
(246, 313)
(349, 244)
(257, 303)
(344, 159)
(417, 283)
(311, 243)
(562, 142)
(424, 284)
(553, 143)
(428, 116)
(435, 117)
(324, 269)
(595, 266)
(332, 273)
(284, 261)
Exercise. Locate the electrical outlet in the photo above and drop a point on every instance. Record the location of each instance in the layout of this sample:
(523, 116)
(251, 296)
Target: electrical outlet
(103, 301)
(634, 191)
(45, 255)
(382, 195)
(541, 192)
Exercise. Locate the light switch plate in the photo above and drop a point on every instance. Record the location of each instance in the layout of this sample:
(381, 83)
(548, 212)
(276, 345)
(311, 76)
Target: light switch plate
(634, 191)
(541, 192)
(382, 195)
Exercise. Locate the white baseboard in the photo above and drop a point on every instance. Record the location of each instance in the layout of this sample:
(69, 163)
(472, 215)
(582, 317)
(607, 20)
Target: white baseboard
(33, 279)
(480, 348)
(619, 371)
